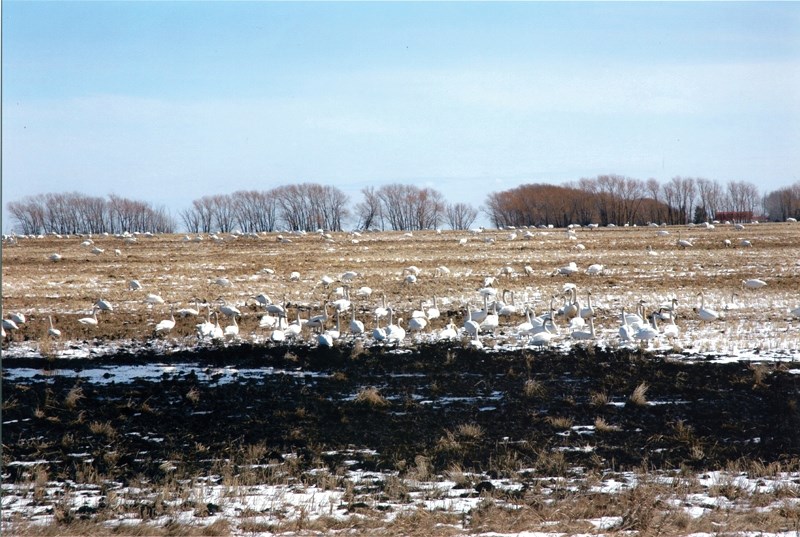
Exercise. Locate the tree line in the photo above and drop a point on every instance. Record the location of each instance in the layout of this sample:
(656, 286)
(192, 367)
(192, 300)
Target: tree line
(72, 212)
(605, 199)
(614, 199)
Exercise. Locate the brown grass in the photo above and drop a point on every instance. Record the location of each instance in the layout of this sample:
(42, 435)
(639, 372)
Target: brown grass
(179, 271)
(639, 395)
(371, 397)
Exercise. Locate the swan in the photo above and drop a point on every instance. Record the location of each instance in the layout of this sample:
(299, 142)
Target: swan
(795, 312)
(217, 333)
(229, 311)
(190, 312)
(104, 305)
(448, 332)
(479, 315)
(471, 326)
(508, 309)
(356, 326)
(327, 338)
(706, 314)
(647, 331)
(318, 321)
(595, 269)
(433, 312)
(753, 283)
(584, 335)
(55, 258)
(683, 243)
(18, 318)
(206, 328)
(381, 311)
(526, 326)
(87, 321)
(134, 285)
(154, 299)
(167, 324)
(278, 335)
(417, 324)
(378, 333)
(671, 330)
(394, 332)
(9, 324)
(364, 291)
(541, 338)
(263, 299)
(625, 331)
(588, 311)
(53, 331)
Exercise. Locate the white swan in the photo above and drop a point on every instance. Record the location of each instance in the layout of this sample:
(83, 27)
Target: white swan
(706, 314)
(587, 312)
(232, 330)
(87, 321)
(584, 335)
(394, 332)
(53, 331)
(164, 327)
(356, 326)
(753, 283)
(625, 332)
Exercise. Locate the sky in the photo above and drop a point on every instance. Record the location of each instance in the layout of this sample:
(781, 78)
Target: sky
(166, 102)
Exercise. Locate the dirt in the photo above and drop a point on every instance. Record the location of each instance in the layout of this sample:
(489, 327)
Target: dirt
(303, 402)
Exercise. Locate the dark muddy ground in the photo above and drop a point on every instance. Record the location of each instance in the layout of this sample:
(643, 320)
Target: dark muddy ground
(527, 406)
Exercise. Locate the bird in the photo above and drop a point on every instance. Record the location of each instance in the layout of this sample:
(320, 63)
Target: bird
(190, 312)
(671, 330)
(55, 257)
(217, 333)
(625, 331)
(584, 335)
(278, 334)
(448, 332)
(206, 328)
(18, 318)
(263, 299)
(595, 269)
(318, 321)
(164, 326)
(394, 332)
(153, 299)
(706, 314)
(417, 324)
(9, 324)
(223, 282)
(229, 311)
(327, 338)
(97, 251)
(647, 331)
(378, 333)
(356, 326)
(508, 309)
(471, 326)
(492, 320)
(433, 312)
(89, 321)
(134, 285)
(104, 305)
(683, 243)
(53, 331)
(753, 283)
(381, 311)
(294, 276)
(587, 312)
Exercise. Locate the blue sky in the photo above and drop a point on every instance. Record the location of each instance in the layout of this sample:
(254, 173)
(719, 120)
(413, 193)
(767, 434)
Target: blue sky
(169, 101)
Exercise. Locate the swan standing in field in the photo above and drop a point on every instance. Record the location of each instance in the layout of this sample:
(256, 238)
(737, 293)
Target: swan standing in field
(279, 334)
(165, 326)
(356, 326)
(318, 321)
(206, 328)
(190, 312)
(229, 311)
(433, 312)
(53, 331)
(217, 334)
(327, 338)
(625, 332)
(706, 314)
(647, 332)
(753, 283)
(18, 318)
(683, 243)
(491, 321)
(394, 332)
(671, 330)
(418, 323)
(595, 269)
(134, 285)
(378, 333)
(55, 258)
(587, 312)
(381, 311)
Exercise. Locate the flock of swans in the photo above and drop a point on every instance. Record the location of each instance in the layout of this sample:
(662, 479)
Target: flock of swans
(490, 314)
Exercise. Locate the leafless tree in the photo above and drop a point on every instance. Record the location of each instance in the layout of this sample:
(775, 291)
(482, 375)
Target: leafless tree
(460, 215)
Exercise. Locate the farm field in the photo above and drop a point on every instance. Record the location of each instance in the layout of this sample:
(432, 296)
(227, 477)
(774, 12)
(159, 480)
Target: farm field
(116, 427)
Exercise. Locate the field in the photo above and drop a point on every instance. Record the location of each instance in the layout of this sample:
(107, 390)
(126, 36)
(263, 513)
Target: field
(116, 428)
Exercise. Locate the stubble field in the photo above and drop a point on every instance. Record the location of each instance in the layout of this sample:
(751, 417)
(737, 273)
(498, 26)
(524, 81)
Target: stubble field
(115, 429)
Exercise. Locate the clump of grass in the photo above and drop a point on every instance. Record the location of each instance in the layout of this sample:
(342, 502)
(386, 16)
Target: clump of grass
(470, 431)
(103, 429)
(193, 395)
(291, 357)
(533, 388)
(559, 422)
(358, 350)
(73, 396)
(639, 395)
(599, 399)
(371, 397)
(760, 373)
(602, 426)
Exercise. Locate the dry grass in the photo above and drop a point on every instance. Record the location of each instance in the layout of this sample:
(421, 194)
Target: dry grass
(179, 271)
(371, 397)
(639, 395)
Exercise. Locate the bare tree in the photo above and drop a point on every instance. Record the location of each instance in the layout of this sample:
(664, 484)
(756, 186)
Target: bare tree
(460, 215)
(369, 211)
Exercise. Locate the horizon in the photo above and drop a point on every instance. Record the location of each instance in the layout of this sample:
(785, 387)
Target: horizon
(166, 102)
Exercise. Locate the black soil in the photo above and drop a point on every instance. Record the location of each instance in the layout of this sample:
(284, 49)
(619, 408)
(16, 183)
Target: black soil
(527, 406)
